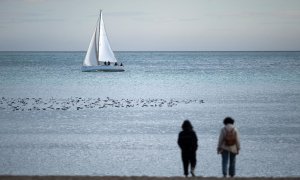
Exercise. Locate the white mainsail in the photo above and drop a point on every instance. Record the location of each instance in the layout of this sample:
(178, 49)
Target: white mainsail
(105, 51)
(102, 53)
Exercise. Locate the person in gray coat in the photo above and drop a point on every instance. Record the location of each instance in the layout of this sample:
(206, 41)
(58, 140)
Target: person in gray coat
(228, 146)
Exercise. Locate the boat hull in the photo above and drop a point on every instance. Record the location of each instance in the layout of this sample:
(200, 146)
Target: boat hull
(102, 68)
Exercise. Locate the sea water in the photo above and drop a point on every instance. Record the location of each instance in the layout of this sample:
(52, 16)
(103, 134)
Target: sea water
(57, 120)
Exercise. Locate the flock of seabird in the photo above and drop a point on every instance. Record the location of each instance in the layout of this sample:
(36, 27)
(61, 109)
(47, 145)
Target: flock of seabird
(79, 103)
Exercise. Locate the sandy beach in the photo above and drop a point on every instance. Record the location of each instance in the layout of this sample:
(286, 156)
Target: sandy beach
(133, 178)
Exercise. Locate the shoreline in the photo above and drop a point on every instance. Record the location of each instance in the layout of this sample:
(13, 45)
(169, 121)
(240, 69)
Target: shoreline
(12, 177)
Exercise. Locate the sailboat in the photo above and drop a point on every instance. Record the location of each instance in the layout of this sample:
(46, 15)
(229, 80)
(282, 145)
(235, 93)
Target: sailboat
(99, 56)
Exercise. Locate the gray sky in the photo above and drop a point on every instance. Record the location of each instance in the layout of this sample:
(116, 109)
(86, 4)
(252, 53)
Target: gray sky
(142, 25)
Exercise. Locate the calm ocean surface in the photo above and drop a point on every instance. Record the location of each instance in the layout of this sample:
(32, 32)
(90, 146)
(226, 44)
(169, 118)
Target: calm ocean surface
(57, 120)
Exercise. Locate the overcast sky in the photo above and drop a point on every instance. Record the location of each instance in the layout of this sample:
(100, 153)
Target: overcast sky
(142, 25)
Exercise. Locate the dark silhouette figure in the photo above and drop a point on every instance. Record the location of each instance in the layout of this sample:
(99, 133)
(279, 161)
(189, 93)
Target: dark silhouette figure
(121, 64)
(105, 63)
(108, 63)
(228, 146)
(116, 64)
(188, 143)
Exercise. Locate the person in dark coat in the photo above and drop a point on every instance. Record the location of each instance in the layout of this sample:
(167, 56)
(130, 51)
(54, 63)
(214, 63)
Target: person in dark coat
(188, 143)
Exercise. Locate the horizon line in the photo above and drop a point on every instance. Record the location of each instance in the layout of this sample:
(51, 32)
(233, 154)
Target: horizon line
(155, 51)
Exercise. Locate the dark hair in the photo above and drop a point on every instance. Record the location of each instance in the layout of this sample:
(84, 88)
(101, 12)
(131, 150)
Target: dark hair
(187, 125)
(228, 120)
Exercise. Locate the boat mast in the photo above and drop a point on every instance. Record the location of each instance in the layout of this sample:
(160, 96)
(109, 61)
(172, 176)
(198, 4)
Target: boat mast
(97, 43)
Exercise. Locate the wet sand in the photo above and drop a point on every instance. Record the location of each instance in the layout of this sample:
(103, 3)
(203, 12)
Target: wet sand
(134, 178)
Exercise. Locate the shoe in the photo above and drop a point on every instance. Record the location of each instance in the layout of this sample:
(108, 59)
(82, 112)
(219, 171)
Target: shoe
(193, 173)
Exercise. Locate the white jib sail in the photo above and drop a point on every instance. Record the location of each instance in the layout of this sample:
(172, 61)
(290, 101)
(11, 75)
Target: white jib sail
(91, 54)
(105, 51)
